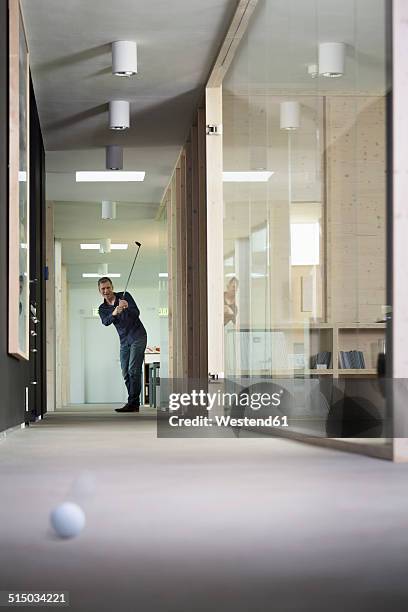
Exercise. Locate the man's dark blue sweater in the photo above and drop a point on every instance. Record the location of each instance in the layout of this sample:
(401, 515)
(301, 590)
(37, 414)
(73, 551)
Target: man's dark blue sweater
(128, 323)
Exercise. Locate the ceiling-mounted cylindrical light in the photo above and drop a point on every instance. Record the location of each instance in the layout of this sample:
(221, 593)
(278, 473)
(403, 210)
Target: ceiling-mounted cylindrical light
(312, 70)
(289, 115)
(114, 157)
(124, 58)
(105, 245)
(331, 59)
(103, 269)
(108, 209)
(119, 114)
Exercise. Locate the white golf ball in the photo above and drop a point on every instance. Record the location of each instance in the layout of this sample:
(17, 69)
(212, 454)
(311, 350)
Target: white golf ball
(68, 520)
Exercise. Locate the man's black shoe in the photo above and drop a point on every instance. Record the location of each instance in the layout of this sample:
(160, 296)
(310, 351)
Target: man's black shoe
(127, 408)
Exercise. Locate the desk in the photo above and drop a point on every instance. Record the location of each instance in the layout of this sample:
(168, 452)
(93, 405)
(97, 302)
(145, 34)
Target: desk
(150, 357)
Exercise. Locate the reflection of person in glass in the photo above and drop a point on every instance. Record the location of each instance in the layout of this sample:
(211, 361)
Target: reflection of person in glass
(22, 315)
(230, 325)
(21, 284)
(230, 304)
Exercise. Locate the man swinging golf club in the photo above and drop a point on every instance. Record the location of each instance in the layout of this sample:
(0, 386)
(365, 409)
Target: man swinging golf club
(121, 310)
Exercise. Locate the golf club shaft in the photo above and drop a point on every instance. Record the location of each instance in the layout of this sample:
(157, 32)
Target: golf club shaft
(133, 265)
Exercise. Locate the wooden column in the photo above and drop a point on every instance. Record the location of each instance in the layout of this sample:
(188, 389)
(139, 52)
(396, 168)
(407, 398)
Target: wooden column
(179, 354)
(215, 238)
(190, 263)
(195, 252)
(202, 243)
(171, 272)
(400, 229)
(214, 167)
(58, 323)
(64, 338)
(185, 199)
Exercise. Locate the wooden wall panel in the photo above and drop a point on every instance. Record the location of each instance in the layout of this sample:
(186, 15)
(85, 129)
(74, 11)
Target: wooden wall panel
(178, 323)
(195, 279)
(189, 262)
(64, 337)
(215, 235)
(185, 200)
(14, 374)
(183, 248)
(50, 306)
(356, 207)
(58, 323)
(170, 270)
(202, 242)
(399, 254)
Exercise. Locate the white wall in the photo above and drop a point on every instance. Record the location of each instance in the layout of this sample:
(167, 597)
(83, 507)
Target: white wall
(82, 300)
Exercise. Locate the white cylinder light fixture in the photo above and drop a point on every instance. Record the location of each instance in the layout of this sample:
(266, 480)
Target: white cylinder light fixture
(103, 269)
(105, 245)
(312, 70)
(331, 59)
(119, 114)
(289, 115)
(108, 209)
(114, 157)
(124, 58)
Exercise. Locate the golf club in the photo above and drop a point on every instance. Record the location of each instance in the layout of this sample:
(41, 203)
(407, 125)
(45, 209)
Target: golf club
(139, 244)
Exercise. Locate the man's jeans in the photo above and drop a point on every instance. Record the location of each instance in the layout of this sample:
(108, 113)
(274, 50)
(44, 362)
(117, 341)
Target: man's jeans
(131, 361)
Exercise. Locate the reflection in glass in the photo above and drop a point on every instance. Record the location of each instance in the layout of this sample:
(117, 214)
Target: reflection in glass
(23, 194)
(308, 243)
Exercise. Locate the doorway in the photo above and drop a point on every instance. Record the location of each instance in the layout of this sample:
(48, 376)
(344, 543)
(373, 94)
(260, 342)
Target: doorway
(103, 382)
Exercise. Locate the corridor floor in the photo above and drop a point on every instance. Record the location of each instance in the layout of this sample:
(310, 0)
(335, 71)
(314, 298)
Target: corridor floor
(228, 525)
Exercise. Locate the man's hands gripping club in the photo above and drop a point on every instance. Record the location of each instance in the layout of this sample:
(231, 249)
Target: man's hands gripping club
(120, 307)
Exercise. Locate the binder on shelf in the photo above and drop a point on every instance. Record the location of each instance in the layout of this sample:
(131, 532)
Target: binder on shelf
(322, 358)
(351, 360)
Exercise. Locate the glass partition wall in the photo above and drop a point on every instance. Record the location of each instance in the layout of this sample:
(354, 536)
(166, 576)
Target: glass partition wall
(304, 189)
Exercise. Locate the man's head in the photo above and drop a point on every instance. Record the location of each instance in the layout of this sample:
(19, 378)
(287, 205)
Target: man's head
(232, 286)
(105, 287)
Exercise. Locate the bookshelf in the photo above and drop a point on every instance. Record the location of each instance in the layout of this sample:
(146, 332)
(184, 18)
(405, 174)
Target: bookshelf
(365, 337)
(302, 341)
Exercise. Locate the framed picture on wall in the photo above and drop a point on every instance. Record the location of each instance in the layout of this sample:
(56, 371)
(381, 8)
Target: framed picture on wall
(19, 174)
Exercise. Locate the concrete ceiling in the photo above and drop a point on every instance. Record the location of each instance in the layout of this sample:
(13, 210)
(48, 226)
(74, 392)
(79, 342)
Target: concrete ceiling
(69, 44)
(158, 163)
(270, 66)
(283, 39)
(70, 58)
(77, 222)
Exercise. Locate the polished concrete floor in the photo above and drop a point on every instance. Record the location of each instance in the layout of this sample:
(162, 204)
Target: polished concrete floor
(177, 525)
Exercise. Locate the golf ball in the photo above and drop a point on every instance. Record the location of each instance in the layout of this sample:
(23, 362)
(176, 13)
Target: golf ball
(68, 520)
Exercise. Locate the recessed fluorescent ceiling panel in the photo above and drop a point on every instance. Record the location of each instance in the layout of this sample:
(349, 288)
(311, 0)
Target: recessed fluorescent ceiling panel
(95, 247)
(96, 275)
(109, 176)
(246, 177)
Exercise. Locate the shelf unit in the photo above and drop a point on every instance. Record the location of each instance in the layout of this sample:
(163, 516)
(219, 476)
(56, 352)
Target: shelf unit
(364, 337)
(310, 339)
